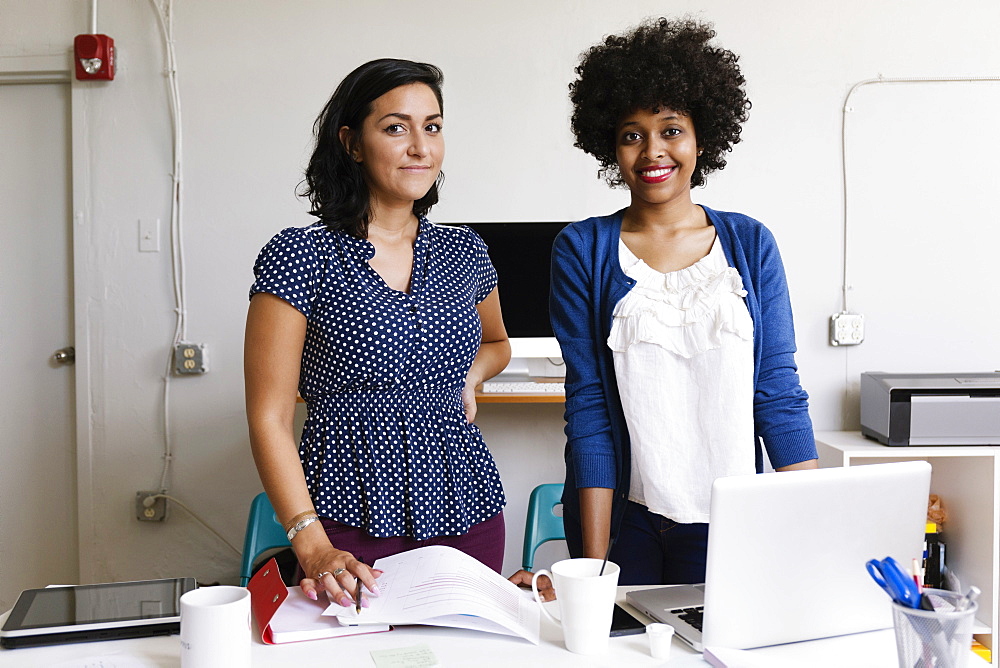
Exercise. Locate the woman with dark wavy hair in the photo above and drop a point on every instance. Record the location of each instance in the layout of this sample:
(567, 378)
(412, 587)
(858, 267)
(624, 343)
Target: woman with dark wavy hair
(674, 319)
(384, 323)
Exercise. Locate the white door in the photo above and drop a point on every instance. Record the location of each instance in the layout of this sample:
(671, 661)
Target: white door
(38, 525)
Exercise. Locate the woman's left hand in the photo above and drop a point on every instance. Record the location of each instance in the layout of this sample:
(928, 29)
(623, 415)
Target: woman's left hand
(469, 401)
(493, 355)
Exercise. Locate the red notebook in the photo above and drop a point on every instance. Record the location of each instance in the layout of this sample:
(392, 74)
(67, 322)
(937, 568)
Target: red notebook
(285, 614)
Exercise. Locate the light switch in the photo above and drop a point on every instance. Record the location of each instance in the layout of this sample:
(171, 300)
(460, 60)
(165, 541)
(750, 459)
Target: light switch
(149, 235)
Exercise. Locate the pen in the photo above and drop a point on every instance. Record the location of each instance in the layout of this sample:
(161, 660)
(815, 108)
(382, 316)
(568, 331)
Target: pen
(357, 593)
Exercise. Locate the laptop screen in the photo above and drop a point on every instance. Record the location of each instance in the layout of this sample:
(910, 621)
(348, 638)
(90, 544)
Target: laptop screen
(787, 551)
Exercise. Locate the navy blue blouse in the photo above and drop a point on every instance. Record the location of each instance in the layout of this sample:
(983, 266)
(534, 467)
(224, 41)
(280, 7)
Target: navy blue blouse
(386, 446)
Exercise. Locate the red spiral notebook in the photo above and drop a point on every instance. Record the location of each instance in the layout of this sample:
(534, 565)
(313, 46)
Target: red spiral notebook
(285, 614)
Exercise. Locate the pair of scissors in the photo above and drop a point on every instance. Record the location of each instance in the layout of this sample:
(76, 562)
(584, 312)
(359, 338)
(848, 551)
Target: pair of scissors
(896, 582)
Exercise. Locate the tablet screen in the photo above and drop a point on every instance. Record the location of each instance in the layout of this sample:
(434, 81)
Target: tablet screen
(145, 601)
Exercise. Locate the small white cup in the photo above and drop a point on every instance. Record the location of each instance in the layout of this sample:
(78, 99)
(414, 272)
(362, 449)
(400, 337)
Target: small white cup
(661, 637)
(586, 602)
(215, 627)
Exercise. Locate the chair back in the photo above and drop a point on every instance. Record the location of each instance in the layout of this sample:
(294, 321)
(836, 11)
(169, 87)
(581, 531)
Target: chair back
(264, 532)
(542, 524)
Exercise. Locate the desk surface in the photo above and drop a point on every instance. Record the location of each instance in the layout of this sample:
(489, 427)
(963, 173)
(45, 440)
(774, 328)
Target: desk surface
(458, 647)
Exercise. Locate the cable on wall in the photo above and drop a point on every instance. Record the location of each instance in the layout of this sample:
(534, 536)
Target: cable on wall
(846, 286)
(150, 500)
(165, 19)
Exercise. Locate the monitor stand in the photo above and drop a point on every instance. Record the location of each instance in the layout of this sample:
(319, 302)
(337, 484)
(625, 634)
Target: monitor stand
(531, 368)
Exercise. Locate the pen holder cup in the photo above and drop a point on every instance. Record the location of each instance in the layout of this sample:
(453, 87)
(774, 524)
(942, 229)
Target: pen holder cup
(939, 638)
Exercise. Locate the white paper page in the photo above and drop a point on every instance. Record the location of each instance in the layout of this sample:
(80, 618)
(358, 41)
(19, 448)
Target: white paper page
(298, 612)
(301, 618)
(438, 581)
(470, 622)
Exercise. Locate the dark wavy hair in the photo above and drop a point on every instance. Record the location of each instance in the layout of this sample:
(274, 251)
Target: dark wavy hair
(660, 63)
(334, 182)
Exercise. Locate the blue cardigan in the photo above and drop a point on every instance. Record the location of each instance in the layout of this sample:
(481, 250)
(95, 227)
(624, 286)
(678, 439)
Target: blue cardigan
(587, 283)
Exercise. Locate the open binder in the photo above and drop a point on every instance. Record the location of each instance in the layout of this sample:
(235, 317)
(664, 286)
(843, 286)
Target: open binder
(285, 614)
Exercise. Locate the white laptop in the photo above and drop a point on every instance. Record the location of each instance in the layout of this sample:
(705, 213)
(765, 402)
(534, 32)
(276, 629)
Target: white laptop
(787, 553)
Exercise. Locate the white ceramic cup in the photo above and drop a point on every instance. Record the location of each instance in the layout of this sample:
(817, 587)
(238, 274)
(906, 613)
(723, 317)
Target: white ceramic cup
(661, 637)
(586, 602)
(215, 627)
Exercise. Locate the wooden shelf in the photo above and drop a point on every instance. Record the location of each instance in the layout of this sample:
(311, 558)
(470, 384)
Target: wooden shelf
(512, 398)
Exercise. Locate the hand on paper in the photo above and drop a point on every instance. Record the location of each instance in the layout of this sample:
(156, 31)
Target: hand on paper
(523, 579)
(342, 589)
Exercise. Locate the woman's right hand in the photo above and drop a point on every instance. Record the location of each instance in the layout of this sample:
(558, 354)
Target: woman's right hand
(523, 578)
(341, 589)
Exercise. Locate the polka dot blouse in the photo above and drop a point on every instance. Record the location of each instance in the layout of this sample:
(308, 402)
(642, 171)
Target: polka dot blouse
(385, 445)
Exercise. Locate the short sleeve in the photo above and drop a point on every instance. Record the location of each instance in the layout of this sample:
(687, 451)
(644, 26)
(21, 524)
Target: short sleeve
(485, 273)
(288, 267)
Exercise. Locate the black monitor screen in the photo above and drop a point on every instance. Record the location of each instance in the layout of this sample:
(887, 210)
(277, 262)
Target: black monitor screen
(521, 253)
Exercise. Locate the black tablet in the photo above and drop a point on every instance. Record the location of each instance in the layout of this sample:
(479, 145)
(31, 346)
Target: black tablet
(84, 613)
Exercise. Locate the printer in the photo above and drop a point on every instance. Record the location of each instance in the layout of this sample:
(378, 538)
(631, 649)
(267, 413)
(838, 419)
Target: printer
(931, 408)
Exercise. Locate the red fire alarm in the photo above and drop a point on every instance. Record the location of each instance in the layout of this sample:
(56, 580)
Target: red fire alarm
(95, 57)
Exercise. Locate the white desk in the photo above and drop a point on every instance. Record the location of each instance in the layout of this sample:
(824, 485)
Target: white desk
(461, 648)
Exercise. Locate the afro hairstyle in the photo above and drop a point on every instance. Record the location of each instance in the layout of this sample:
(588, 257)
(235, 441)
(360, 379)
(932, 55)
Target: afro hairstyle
(659, 64)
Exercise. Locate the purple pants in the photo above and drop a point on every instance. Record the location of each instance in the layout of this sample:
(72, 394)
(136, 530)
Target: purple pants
(484, 541)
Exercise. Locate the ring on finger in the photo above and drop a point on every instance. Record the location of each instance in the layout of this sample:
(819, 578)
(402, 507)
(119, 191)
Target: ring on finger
(319, 576)
(337, 572)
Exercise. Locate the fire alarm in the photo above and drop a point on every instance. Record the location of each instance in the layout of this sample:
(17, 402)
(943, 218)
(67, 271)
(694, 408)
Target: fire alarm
(95, 57)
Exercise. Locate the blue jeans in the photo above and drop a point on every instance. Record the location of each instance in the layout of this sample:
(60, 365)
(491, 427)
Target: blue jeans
(651, 549)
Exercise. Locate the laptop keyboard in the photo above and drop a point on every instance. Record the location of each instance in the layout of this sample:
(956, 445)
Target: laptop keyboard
(693, 616)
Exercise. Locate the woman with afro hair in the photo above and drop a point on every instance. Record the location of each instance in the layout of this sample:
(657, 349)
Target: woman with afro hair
(674, 319)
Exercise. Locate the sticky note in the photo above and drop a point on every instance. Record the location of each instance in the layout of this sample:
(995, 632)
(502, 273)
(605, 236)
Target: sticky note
(417, 656)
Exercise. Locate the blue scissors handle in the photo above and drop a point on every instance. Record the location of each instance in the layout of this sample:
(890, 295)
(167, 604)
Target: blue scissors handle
(891, 577)
(874, 567)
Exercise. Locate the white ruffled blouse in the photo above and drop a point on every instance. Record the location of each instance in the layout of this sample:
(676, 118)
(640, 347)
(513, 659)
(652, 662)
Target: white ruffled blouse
(682, 344)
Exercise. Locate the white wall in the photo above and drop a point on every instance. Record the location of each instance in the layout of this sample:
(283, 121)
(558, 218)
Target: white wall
(253, 75)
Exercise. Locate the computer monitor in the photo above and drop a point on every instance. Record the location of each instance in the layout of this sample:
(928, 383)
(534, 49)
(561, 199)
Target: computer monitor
(521, 253)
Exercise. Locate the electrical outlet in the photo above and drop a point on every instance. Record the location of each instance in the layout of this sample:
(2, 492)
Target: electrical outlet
(847, 329)
(155, 511)
(191, 358)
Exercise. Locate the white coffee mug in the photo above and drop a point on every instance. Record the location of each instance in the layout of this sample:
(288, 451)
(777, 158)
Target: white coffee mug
(586, 601)
(215, 627)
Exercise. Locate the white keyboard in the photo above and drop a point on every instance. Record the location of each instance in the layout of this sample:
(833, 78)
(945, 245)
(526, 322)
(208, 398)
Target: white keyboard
(521, 387)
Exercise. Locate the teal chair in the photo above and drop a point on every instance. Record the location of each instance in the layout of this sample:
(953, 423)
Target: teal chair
(542, 524)
(264, 532)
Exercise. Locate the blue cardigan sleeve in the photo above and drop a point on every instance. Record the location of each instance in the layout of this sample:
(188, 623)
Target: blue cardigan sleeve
(781, 406)
(573, 304)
